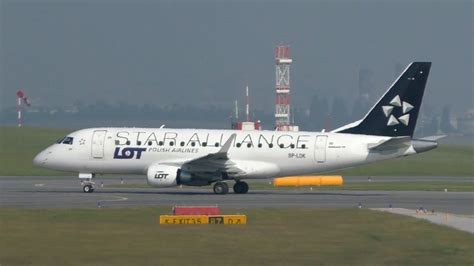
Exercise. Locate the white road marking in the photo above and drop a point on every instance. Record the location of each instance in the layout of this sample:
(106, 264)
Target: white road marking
(118, 198)
(115, 198)
(460, 222)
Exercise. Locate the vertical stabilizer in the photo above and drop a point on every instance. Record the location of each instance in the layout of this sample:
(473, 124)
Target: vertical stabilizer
(395, 114)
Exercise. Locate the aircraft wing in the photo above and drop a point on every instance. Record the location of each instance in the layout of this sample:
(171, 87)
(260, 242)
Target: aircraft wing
(214, 163)
(390, 144)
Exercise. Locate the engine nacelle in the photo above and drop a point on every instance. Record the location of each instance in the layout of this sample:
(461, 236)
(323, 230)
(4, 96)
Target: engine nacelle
(159, 175)
(163, 176)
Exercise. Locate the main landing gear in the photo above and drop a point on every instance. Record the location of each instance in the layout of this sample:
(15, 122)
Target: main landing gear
(241, 187)
(222, 188)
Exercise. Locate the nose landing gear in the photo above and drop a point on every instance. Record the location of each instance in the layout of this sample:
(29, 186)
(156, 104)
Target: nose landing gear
(89, 188)
(86, 181)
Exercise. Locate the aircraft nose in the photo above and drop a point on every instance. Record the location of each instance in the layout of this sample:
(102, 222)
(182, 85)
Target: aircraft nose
(40, 159)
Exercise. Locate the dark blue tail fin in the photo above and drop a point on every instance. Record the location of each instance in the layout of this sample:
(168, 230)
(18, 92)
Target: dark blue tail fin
(395, 114)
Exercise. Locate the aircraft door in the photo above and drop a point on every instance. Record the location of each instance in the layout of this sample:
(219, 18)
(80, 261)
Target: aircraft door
(98, 139)
(320, 149)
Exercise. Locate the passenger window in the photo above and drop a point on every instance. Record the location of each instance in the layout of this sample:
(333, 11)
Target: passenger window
(171, 143)
(160, 143)
(303, 146)
(249, 145)
(282, 146)
(217, 144)
(182, 143)
(128, 142)
(260, 145)
(68, 140)
(238, 145)
(270, 145)
(139, 143)
(117, 142)
(204, 144)
(193, 144)
(292, 146)
(149, 143)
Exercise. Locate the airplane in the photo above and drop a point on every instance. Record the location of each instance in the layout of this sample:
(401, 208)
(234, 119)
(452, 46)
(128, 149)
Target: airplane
(200, 157)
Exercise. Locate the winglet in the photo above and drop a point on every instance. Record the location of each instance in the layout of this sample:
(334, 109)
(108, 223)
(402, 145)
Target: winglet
(225, 148)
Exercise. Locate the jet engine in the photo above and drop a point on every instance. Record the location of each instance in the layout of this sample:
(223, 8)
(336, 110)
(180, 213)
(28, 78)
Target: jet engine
(159, 175)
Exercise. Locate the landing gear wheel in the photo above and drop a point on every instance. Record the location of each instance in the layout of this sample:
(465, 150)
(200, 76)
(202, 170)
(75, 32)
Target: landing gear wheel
(88, 188)
(241, 187)
(221, 188)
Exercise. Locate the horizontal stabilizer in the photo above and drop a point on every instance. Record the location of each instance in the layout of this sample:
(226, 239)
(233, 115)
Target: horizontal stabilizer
(433, 138)
(426, 143)
(391, 144)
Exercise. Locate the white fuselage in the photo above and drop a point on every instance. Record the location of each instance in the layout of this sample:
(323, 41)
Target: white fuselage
(258, 154)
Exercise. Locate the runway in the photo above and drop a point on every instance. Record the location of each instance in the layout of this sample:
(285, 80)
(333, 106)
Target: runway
(66, 192)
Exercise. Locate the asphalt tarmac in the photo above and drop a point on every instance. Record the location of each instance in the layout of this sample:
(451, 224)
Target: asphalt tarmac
(66, 192)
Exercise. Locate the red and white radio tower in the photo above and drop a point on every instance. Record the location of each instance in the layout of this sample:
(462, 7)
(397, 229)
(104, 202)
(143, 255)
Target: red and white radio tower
(20, 98)
(282, 87)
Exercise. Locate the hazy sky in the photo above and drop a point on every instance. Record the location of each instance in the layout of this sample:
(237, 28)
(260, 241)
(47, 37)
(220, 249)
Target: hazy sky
(167, 52)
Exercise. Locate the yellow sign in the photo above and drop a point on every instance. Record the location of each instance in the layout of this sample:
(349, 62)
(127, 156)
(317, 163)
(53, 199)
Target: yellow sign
(227, 219)
(183, 219)
(203, 219)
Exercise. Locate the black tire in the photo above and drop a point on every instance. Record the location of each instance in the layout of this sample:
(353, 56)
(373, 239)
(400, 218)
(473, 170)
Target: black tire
(241, 187)
(87, 189)
(221, 188)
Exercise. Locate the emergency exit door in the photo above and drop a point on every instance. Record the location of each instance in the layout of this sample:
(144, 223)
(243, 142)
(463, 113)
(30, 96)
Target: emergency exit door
(320, 149)
(98, 139)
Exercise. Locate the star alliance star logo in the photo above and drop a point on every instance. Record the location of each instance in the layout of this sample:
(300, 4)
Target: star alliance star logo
(394, 103)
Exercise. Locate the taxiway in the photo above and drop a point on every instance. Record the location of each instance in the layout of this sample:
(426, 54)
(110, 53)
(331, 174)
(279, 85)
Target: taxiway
(66, 192)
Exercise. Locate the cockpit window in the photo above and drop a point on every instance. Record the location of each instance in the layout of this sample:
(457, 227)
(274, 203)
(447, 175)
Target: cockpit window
(60, 140)
(68, 140)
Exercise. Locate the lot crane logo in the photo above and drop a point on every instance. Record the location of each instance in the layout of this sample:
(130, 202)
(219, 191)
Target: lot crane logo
(397, 103)
(161, 175)
(128, 153)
